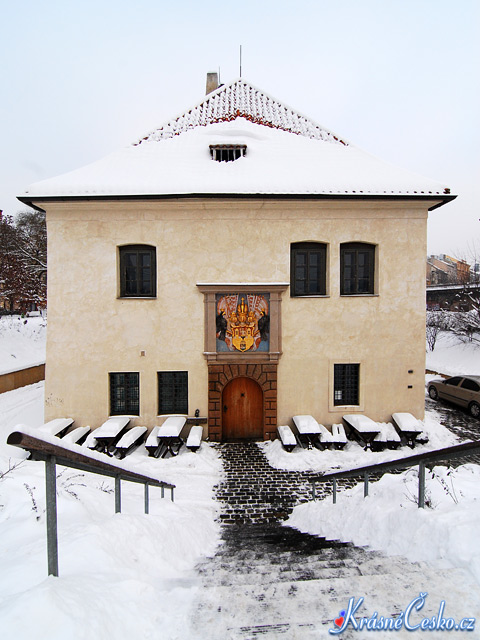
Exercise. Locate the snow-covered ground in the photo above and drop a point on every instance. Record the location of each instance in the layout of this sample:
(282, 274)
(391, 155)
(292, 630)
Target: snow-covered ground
(127, 575)
(132, 575)
(453, 357)
(445, 532)
(22, 342)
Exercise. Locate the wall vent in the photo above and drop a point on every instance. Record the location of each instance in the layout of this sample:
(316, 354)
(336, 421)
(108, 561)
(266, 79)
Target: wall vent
(227, 152)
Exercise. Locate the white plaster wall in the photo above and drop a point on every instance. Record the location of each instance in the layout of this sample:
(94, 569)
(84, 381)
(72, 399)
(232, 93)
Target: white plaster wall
(92, 332)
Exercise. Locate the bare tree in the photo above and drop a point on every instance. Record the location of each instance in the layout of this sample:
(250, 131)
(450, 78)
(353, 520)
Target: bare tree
(436, 322)
(23, 265)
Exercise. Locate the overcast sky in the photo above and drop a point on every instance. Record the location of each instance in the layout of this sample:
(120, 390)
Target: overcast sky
(397, 78)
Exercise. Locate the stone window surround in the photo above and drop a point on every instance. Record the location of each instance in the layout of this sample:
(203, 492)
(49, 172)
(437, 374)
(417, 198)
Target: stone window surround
(259, 366)
(210, 291)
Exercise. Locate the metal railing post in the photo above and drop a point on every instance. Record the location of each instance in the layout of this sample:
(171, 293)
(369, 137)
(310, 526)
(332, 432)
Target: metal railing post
(334, 491)
(51, 500)
(421, 485)
(146, 497)
(118, 495)
(314, 492)
(365, 484)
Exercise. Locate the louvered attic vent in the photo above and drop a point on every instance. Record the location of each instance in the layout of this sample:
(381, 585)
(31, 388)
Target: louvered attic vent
(227, 152)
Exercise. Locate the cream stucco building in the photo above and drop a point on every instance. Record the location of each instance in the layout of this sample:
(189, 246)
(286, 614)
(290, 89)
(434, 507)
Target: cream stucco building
(240, 260)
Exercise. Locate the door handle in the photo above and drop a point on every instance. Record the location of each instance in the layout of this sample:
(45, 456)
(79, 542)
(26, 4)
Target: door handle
(224, 408)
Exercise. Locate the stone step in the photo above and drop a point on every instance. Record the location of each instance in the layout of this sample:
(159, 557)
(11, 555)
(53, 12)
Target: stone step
(242, 611)
(265, 575)
(315, 567)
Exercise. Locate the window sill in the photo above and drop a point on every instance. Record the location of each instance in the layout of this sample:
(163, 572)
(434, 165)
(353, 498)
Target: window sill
(313, 295)
(136, 297)
(344, 408)
(359, 295)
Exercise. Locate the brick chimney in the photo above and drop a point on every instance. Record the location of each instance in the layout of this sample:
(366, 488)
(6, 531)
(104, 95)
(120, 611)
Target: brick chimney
(212, 82)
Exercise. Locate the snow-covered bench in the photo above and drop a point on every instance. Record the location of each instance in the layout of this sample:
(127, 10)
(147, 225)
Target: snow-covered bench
(57, 427)
(168, 436)
(287, 437)
(106, 437)
(130, 440)
(391, 436)
(151, 444)
(409, 428)
(77, 436)
(194, 439)
(338, 436)
(362, 428)
(308, 430)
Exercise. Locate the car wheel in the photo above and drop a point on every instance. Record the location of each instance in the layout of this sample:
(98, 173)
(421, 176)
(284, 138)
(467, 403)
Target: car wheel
(474, 409)
(433, 393)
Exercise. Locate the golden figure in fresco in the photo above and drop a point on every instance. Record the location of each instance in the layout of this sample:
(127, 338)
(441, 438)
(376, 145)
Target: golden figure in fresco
(242, 327)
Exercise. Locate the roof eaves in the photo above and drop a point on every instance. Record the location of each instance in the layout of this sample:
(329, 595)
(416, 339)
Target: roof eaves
(30, 200)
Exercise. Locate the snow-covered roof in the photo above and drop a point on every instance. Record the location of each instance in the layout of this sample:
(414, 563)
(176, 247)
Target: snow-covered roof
(241, 99)
(287, 154)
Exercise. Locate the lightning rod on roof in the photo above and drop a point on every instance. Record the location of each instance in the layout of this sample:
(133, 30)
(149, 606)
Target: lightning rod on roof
(240, 61)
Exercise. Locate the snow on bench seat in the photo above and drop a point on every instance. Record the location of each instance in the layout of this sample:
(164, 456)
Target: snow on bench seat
(152, 439)
(287, 437)
(77, 435)
(410, 428)
(306, 424)
(112, 427)
(194, 439)
(172, 427)
(90, 441)
(54, 427)
(407, 422)
(339, 436)
(362, 424)
(130, 437)
(151, 443)
(130, 440)
(326, 437)
(390, 433)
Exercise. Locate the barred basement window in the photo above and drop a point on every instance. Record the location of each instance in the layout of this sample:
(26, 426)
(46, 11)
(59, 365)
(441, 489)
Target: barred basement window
(124, 394)
(346, 383)
(172, 392)
(227, 152)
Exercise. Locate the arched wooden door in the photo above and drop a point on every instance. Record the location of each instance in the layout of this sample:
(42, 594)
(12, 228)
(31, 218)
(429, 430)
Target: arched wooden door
(242, 410)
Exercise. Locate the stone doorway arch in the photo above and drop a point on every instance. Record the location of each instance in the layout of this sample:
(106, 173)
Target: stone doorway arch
(219, 375)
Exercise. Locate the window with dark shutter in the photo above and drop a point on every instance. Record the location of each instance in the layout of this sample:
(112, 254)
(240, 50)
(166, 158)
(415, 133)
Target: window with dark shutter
(172, 392)
(137, 271)
(357, 268)
(308, 266)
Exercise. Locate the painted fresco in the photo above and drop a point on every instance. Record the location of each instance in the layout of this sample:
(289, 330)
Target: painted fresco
(243, 322)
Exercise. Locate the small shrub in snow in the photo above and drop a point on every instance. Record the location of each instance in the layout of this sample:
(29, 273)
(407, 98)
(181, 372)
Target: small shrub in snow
(410, 481)
(67, 483)
(448, 487)
(32, 497)
(11, 467)
(103, 486)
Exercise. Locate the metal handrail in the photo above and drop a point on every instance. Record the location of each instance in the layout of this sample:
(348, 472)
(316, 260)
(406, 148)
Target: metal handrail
(422, 459)
(53, 454)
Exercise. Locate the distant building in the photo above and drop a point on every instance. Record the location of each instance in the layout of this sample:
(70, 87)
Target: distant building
(443, 269)
(240, 260)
